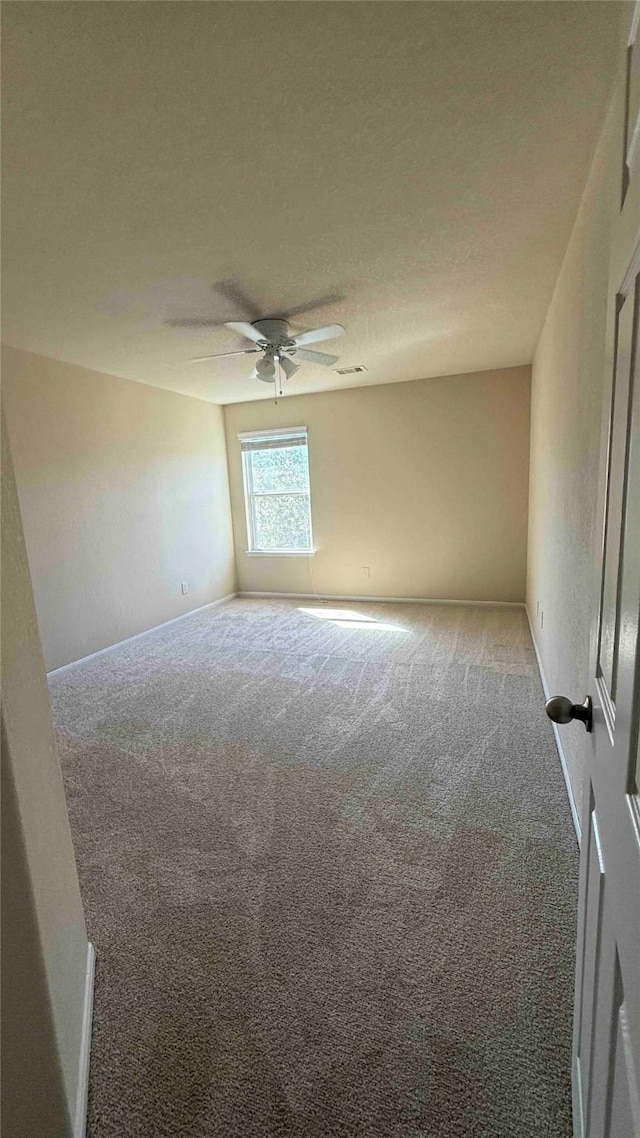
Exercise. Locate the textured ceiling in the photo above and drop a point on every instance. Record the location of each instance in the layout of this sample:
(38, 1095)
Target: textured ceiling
(421, 162)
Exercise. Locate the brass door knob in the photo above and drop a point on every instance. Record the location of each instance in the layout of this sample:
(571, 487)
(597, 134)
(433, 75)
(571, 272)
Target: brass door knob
(562, 710)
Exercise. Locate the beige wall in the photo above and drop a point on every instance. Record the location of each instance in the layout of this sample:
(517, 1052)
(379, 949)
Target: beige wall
(44, 943)
(124, 494)
(424, 482)
(566, 407)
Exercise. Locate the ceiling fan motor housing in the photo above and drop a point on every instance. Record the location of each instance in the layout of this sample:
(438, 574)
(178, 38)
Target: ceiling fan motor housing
(275, 332)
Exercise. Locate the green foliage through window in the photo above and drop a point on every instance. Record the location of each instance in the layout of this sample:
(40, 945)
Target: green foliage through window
(278, 501)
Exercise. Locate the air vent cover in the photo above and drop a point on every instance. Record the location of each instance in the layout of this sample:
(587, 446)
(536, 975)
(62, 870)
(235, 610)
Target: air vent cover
(350, 370)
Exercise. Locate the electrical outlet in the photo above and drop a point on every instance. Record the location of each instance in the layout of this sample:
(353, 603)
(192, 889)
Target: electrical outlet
(184, 587)
(366, 571)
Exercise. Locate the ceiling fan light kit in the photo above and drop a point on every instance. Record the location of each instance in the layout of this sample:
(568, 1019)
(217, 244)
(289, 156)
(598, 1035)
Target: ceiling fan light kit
(266, 368)
(278, 346)
(288, 366)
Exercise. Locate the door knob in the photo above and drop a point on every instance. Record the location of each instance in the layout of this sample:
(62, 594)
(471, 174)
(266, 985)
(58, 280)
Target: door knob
(562, 710)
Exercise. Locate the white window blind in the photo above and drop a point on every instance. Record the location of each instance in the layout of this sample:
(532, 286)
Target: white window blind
(275, 468)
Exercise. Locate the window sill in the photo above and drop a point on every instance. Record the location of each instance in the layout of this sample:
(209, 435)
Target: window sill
(280, 552)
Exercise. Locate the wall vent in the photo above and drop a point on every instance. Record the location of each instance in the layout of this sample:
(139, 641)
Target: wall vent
(350, 370)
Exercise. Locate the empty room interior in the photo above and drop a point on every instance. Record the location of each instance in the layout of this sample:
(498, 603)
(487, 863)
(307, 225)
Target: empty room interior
(320, 569)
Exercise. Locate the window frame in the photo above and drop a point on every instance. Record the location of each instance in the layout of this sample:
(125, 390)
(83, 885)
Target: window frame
(249, 442)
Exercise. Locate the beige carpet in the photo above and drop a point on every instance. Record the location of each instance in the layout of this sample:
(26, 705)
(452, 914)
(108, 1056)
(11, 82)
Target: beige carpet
(329, 869)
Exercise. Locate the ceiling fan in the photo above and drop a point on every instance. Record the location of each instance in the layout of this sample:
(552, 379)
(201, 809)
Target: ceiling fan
(276, 345)
(274, 340)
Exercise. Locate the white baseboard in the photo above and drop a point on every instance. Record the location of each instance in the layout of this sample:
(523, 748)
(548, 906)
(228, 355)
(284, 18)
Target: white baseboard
(138, 636)
(563, 758)
(375, 600)
(80, 1126)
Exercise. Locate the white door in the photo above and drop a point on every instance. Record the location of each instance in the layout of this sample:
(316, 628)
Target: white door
(606, 1048)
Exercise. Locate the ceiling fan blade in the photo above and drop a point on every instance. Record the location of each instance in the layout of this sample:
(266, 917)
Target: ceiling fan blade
(245, 329)
(232, 290)
(327, 332)
(288, 367)
(311, 305)
(219, 355)
(316, 357)
(194, 322)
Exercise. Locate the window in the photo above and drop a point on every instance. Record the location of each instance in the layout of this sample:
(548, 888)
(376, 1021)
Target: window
(275, 467)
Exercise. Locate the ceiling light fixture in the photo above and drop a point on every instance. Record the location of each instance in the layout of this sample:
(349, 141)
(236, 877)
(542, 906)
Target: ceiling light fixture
(266, 369)
(288, 366)
(274, 341)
